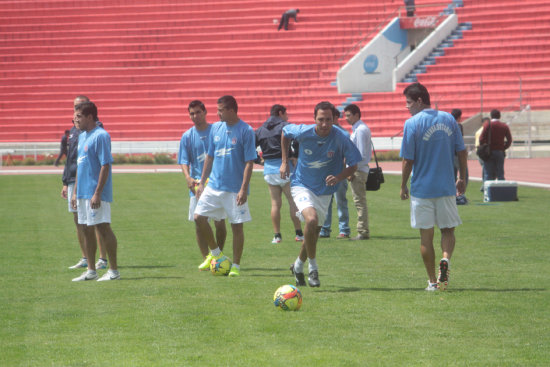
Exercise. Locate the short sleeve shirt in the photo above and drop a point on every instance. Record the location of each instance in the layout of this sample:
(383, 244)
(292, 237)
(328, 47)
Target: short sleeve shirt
(320, 157)
(231, 147)
(94, 151)
(430, 139)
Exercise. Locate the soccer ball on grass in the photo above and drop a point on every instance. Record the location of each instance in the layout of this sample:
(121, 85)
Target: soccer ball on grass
(220, 266)
(287, 298)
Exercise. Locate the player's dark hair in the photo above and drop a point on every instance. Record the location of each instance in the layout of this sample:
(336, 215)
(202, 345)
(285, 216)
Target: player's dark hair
(276, 109)
(457, 113)
(417, 90)
(495, 114)
(324, 106)
(335, 113)
(196, 103)
(87, 108)
(229, 102)
(353, 109)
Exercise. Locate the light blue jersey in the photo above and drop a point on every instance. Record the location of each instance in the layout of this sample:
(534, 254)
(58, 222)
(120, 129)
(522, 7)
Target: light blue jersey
(193, 149)
(231, 147)
(320, 157)
(94, 151)
(430, 139)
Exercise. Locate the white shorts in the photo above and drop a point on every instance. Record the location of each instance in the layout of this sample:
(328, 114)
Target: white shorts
(70, 190)
(441, 212)
(275, 179)
(91, 217)
(218, 205)
(192, 207)
(305, 198)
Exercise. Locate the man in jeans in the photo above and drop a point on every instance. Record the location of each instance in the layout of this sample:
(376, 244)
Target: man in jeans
(501, 139)
(361, 137)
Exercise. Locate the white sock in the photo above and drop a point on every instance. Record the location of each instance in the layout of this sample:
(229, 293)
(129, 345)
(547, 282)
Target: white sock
(237, 266)
(298, 266)
(91, 272)
(216, 252)
(312, 265)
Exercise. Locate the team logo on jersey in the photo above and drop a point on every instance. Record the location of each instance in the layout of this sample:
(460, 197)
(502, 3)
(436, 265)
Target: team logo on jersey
(80, 159)
(217, 138)
(234, 141)
(317, 164)
(308, 151)
(330, 153)
(319, 143)
(201, 157)
(223, 151)
(86, 148)
(203, 137)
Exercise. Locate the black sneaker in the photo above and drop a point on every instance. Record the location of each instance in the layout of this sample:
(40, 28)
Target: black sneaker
(313, 279)
(300, 279)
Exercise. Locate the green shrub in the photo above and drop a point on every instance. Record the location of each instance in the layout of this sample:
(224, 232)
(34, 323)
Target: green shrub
(29, 161)
(164, 158)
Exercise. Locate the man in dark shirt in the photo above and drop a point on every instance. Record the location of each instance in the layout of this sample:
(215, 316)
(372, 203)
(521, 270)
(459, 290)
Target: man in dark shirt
(291, 13)
(501, 139)
(62, 148)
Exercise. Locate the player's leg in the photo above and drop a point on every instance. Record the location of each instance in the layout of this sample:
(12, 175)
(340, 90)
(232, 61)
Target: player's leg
(293, 210)
(102, 262)
(238, 242)
(428, 253)
(221, 233)
(275, 192)
(109, 240)
(343, 211)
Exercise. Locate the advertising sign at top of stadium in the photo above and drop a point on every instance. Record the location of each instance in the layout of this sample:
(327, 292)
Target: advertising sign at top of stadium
(430, 21)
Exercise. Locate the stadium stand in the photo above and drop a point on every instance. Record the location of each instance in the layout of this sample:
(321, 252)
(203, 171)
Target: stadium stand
(143, 61)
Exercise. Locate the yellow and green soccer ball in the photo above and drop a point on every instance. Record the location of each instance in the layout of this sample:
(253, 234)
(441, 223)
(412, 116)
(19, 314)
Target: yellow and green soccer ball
(288, 298)
(220, 266)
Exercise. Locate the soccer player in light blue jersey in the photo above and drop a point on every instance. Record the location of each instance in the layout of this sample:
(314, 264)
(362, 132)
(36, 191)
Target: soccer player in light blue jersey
(192, 153)
(228, 167)
(430, 140)
(94, 190)
(319, 169)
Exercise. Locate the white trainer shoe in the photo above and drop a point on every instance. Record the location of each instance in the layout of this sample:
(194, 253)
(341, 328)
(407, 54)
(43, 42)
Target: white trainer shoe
(432, 287)
(101, 264)
(87, 275)
(110, 275)
(82, 263)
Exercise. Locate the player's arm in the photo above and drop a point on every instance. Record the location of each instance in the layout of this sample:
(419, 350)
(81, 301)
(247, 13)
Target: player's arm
(206, 170)
(73, 196)
(95, 203)
(346, 172)
(462, 167)
(243, 192)
(285, 145)
(406, 170)
(188, 178)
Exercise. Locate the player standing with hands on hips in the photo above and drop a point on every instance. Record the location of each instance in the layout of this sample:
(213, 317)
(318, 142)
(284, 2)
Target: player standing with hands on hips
(430, 140)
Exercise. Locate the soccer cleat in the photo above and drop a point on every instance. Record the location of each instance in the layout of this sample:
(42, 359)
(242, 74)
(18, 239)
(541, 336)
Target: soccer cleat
(299, 238)
(87, 275)
(313, 279)
(300, 278)
(443, 278)
(431, 287)
(342, 236)
(110, 275)
(276, 240)
(235, 272)
(205, 265)
(83, 263)
(101, 264)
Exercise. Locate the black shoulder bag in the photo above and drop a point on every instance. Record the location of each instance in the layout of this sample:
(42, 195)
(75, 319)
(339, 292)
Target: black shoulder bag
(376, 177)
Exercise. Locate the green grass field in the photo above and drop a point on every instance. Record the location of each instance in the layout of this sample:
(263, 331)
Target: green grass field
(371, 309)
